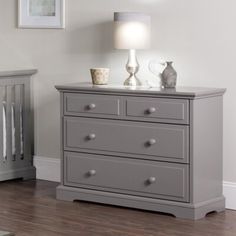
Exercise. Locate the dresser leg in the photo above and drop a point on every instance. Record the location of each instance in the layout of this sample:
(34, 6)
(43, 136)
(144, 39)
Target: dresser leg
(64, 195)
(200, 211)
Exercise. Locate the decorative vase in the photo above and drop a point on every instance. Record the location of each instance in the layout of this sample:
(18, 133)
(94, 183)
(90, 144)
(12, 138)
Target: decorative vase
(169, 76)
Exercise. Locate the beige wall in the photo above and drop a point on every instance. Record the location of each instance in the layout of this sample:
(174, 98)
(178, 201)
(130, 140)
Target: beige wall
(198, 35)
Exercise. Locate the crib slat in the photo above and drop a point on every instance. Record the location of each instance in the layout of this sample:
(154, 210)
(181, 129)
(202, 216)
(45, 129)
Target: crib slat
(8, 122)
(22, 115)
(2, 99)
(13, 124)
(27, 123)
(18, 100)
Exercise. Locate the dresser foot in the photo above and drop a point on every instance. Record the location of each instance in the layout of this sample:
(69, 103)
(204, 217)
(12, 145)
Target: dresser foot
(201, 210)
(62, 194)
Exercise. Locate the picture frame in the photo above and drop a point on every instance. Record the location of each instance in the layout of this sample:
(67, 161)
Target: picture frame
(41, 14)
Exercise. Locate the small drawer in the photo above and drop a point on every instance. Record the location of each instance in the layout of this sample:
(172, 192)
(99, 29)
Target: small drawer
(145, 141)
(123, 175)
(89, 104)
(159, 109)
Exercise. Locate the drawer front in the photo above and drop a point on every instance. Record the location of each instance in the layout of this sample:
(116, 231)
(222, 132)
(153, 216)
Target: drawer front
(130, 176)
(89, 104)
(146, 141)
(159, 109)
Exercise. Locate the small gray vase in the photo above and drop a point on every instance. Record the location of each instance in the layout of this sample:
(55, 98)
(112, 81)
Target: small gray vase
(169, 76)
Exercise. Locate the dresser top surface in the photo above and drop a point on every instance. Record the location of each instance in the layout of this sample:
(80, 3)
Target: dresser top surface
(190, 92)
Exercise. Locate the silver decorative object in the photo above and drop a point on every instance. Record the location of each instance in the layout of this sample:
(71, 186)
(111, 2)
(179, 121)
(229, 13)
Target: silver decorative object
(169, 76)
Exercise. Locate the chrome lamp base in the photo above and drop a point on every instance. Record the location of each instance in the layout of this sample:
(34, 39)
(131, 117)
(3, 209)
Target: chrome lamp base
(132, 67)
(132, 81)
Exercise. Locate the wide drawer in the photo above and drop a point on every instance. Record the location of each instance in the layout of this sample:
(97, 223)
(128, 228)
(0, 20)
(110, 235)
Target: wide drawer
(137, 177)
(90, 105)
(146, 141)
(159, 109)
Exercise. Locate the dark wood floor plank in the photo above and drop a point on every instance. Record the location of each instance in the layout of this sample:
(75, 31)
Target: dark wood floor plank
(29, 208)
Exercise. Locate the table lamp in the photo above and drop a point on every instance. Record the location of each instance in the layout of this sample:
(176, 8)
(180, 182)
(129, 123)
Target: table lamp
(132, 32)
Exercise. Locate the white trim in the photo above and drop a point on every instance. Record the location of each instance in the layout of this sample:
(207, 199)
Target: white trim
(49, 169)
(229, 190)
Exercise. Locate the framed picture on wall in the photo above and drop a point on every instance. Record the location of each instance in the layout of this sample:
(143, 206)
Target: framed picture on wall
(41, 14)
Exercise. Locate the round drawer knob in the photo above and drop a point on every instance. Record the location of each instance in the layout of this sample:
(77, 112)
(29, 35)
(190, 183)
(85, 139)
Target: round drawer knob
(151, 180)
(151, 110)
(91, 136)
(91, 106)
(151, 142)
(92, 172)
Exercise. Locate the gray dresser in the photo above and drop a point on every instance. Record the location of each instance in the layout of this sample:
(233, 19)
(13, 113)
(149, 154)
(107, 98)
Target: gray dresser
(153, 149)
(15, 125)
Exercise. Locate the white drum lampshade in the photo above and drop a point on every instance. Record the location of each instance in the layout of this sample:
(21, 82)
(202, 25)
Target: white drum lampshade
(131, 30)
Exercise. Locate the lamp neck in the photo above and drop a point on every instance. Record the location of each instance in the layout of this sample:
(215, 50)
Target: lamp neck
(132, 64)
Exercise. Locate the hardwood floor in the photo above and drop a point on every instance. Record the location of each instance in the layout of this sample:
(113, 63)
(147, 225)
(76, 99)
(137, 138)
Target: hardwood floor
(30, 209)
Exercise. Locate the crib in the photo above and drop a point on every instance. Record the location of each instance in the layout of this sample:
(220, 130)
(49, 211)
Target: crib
(16, 128)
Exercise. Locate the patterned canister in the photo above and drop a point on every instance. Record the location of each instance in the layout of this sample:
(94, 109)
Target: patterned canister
(100, 75)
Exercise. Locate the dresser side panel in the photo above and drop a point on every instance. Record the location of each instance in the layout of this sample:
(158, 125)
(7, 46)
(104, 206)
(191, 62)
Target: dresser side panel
(62, 135)
(206, 154)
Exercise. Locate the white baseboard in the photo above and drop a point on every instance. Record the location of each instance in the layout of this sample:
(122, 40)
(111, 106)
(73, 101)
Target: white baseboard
(49, 169)
(229, 190)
